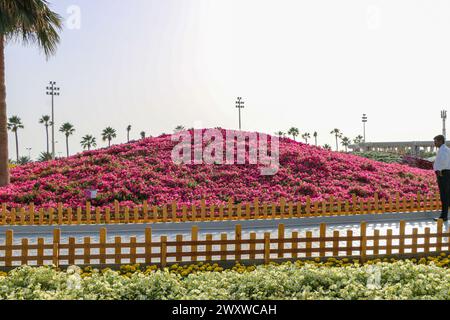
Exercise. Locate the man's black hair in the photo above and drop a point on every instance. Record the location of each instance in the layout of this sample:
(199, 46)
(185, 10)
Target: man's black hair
(440, 138)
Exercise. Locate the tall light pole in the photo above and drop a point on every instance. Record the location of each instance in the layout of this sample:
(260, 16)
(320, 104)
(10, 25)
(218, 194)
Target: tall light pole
(53, 91)
(444, 118)
(240, 105)
(364, 120)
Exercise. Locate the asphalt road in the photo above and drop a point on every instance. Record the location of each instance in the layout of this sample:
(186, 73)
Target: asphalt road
(379, 221)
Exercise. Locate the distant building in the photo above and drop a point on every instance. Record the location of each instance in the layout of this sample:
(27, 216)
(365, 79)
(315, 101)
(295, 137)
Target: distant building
(408, 147)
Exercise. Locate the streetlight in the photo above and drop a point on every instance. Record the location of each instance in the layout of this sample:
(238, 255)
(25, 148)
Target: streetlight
(240, 105)
(53, 91)
(364, 120)
(444, 118)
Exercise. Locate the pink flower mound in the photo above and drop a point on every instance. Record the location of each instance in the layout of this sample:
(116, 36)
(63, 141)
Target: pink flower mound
(143, 170)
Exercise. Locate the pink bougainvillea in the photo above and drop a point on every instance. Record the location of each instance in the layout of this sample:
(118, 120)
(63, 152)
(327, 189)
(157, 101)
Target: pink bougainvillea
(143, 170)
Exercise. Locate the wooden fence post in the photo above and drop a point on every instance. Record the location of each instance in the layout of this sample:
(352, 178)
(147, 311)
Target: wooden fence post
(349, 244)
(133, 250)
(280, 240)
(56, 242)
(389, 242)
(252, 246)
(117, 250)
(163, 254)
(194, 237)
(136, 218)
(439, 235)
(127, 215)
(40, 252)
(107, 215)
(322, 241)
(174, 211)
(102, 250)
(308, 244)
(184, 213)
(86, 250)
(9, 239)
(145, 210)
(24, 251)
(376, 242)
(294, 244)
(97, 215)
(3, 214)
(335, 243)
(71, 251)
(363, 243)
(401, 241)
(148, 246)
(414, 241)
(208, 247)
(256, 208)
(179, 248)
(223, 247)
(308, 206)
(238, 239)
(79, 216)
(266, 247)
(69, 215)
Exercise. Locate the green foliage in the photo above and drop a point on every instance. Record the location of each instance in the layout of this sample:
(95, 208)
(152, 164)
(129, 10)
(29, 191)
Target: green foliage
(292, 280)
(380, 156)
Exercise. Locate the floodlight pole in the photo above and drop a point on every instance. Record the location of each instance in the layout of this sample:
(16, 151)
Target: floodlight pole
(444, 118)
(364, 120)
(240, 105)
(53, 91)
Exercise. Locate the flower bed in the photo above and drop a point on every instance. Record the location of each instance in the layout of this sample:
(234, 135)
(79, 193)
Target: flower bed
(398, 280)
(143, 170)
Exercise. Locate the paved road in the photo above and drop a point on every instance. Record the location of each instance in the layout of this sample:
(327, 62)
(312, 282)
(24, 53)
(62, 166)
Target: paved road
(379, 221)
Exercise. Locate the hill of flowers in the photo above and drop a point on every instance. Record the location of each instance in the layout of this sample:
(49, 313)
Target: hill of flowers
(398, 280)
(143, 170)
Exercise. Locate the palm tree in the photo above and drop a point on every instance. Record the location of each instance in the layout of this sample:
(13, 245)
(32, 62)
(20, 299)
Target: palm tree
(179, 128)
(14, 124)
(337, 133)
(358, 139)
(88, 141)
(45, 120)
(29, 21)
(280, 134)
(45, 156)
(315, 137)
(327, 147)
(346, 142)
(306, 136)
(68, 130)
(23, 160)
(143, 134)
(293, 132)
(128, 132)
(109, 134)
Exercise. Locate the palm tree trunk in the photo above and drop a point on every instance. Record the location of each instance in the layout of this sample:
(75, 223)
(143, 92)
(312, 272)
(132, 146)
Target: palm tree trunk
(128, 136)
(67, 145)
(109, 143)
(46, 133)
(315, 140)
(337, 146)
(17, 146)
(4, 168)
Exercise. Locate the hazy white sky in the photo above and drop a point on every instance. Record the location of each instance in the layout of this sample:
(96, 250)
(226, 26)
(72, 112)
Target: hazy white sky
(315, 65)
